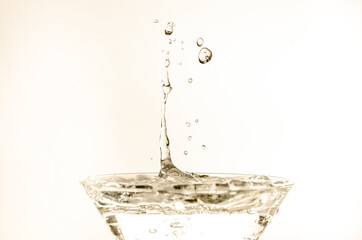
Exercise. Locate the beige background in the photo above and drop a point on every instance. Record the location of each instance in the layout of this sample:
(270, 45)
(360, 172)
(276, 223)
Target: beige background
(80, 95)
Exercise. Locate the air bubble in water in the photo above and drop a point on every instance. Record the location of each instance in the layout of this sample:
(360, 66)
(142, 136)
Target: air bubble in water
(179, 206)
(188, 124)
(203, 147)
(174, 39)
(196, 120)
(170, 41)
(190, 80)
(155, 20)
(169, 28)
(186, 152)
(205, 55)
(176, 225)
(189, 138)
(152, 230)
(200, 42)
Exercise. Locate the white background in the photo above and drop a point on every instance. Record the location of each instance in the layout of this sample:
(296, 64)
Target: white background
(80, 95)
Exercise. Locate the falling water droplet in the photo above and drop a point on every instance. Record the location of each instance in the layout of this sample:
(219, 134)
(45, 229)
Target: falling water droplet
(203, 147)
(189, 138)
(167, 52)
(152, 230)
(196, 120)
(174, 39)
(190, 80)
(186, 152)
(170, 41)
(200, 41)
(169, 28)
(205, 55)
(155, 20)
(188, 124)
(167, 63)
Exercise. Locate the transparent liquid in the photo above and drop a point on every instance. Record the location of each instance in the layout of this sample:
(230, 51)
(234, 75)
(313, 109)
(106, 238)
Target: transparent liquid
(139, 206)
(197, 226)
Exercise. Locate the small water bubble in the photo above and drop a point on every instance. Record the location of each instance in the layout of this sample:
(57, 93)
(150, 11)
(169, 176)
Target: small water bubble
(169, 28)
(155, 20)
(196, 120)
(170, 41)
(205, 55)
(200, 41)
(190, 80)
(152, 230)
(167, 52)
(189, 138)
(188, 124)
(186, 152)
(203, 147)
(174, 39)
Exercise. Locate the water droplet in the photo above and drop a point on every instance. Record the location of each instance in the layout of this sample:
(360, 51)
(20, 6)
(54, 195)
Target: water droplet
(151, 159)
(189, 138)
(182, 42)
(170, 41)
(182, 49)
(155, 20)
(196, 120)
(203, 147)
(186, 152)
(188, 124)
(205, 55)
(190, 80)
(169, 28)
(174, 39)
(167, 63)
(152, 230)
(200, 42)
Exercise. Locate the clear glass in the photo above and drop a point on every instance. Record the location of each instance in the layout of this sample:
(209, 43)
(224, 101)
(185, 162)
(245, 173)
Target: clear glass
(143, 206)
